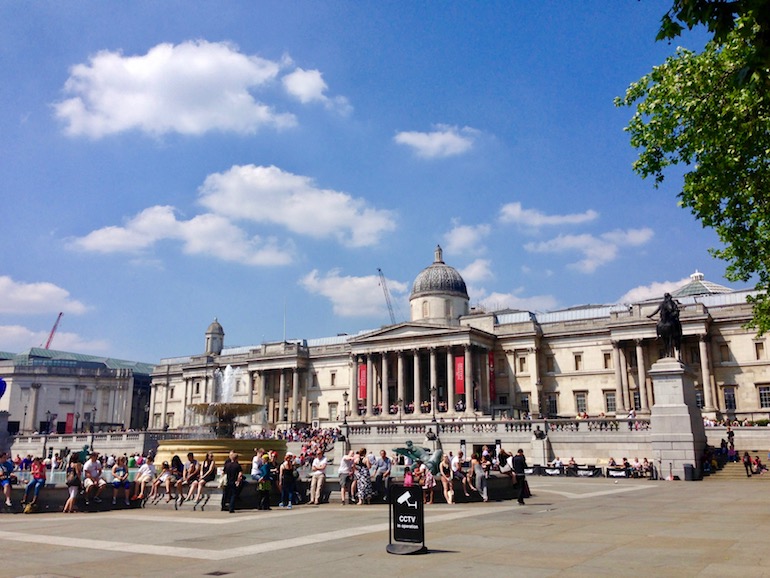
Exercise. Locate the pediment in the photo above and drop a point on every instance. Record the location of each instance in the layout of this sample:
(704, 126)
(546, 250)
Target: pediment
(409, 331)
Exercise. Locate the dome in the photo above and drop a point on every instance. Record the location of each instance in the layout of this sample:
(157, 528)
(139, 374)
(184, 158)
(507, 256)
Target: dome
(439, 278)
(215, 328)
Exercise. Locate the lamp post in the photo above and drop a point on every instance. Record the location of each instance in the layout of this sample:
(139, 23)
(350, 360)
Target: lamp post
(400, 403)
(77, 420)
(345, 411)
(24, 425)
(433, 402)
(93, 419)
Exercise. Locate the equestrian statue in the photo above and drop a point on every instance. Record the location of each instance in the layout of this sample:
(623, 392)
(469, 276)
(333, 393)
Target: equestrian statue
(669, 328)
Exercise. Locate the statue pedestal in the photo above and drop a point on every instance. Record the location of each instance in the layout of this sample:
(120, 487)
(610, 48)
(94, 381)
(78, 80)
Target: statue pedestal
(540, 451)
(678, 436)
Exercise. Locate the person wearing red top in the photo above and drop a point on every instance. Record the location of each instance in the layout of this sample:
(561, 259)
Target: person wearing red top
(37, 481)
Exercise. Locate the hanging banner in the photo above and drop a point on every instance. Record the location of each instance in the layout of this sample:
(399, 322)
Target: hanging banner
(3, 387)
(459, 375)
(69, 425)
(361, 381)
(492, 387)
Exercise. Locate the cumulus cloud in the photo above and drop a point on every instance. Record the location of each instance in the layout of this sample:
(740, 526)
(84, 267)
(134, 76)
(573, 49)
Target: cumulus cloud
(654, 290)
(352, 296)
(269, 195)
(189, 88)
(596, 251)
(16, 338)
(466, 239)
(206, 234)
(515, 213)
(496, 301)
(444, 141)
(309, 86)
(478, 271)
(32, 298)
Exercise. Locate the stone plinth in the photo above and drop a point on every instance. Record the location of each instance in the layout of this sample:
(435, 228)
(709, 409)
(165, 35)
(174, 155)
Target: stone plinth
(678, 436)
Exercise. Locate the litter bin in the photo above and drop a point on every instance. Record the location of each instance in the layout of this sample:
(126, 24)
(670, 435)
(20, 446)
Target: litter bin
(689, 473)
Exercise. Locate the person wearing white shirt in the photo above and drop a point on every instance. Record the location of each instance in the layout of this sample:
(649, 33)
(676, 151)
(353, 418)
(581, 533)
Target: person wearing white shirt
(318, 477)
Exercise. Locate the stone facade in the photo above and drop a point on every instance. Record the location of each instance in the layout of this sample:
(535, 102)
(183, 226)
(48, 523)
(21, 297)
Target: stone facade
(451, 362)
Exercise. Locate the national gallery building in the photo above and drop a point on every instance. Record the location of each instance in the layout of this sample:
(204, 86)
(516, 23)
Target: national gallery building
(452, 362)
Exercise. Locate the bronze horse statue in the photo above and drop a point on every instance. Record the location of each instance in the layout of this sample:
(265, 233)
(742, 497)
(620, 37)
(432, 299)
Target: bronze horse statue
(669, 328)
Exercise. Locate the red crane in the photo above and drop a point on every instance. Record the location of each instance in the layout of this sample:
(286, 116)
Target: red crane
(53, 330)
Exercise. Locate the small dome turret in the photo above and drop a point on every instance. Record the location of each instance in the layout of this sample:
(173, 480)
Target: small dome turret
(215, 338)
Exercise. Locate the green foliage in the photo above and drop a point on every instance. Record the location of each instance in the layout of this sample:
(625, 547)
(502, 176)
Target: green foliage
(697, 110)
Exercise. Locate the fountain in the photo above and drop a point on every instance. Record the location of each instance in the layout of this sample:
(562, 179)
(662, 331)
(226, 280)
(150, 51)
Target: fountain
(220, 419)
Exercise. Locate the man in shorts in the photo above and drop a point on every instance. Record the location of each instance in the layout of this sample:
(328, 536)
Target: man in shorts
(6, 469)
(458, 473)
(93, 482)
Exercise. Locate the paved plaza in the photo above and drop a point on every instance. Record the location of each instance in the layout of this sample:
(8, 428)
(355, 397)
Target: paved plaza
(576, 527)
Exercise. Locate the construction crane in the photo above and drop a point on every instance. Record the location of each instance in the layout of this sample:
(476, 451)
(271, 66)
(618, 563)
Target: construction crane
(53, 330)
(384, 285)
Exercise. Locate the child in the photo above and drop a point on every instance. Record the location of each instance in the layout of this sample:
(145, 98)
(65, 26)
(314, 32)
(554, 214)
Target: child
(408, 478)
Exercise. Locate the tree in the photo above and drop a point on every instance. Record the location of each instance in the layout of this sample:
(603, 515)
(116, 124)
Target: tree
(702, 111)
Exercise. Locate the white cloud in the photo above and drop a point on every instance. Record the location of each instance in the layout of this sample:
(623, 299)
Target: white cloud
(515, 213)
(16, 338)
(352, 296)
(596, 251)
(189, 88)
(32, 298)
(270, 195)
(309, 86)
(497, 301)
(206, 234)
(652, 291)
(445, 141)
(478, 271)
(466, 239)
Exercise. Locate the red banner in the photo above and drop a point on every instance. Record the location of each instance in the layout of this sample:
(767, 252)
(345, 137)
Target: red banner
(492, 387)
(361, 381)
(459, 375)
(70, 423)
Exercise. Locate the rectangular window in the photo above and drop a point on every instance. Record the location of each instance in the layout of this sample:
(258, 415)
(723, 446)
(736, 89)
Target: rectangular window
(550, 364)
(313, 411)
(609, 401)
(764, 396)
(637, 400)
(580, 402)
(699, 398)
(334, 378)
(197, 388)
(64, 395)
(553, 408)
(759, 350)
(578, 362)
(522, 364)
(503, 400)
(88, 397)
(171, 393)
(524, 401)
(502, 366)
(694, 355)
(730, 398)
(333, 412)
(630, 357)
(724, 353)
(607, 360)
(170, 419)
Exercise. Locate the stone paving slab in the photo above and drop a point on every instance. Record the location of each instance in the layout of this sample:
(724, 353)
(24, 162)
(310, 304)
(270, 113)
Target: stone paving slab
(577, 527)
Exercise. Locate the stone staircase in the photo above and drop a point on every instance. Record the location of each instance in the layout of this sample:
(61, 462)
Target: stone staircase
(736, 471)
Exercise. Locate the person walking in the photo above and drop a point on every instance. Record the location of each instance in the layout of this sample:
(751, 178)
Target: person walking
(519, 467)
(286, 481)
(747, 463)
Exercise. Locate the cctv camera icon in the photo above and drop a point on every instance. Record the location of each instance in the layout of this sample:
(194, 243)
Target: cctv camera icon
(404, 499)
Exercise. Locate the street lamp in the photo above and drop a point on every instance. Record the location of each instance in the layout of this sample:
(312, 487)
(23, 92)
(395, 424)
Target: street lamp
(400, 408)
(24, 425)
(93, 419)
(433, 402)
(77, 420)
(345, 414)
(45, 434)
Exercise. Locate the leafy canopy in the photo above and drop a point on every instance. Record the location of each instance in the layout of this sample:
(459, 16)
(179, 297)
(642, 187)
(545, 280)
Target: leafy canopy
(703, 112)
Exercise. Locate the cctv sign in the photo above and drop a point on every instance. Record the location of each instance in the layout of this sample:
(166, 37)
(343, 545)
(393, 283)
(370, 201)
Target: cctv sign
(408, 520)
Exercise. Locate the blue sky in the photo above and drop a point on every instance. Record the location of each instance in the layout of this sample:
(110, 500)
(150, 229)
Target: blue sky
(166, 163)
